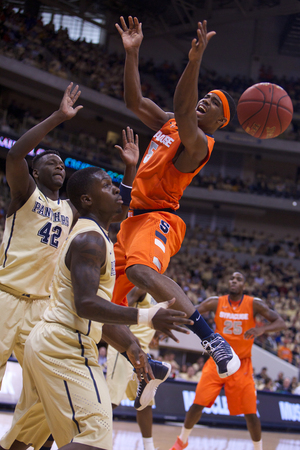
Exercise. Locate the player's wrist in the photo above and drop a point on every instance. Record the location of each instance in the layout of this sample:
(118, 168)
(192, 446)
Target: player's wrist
(143, 317)
(125, 192)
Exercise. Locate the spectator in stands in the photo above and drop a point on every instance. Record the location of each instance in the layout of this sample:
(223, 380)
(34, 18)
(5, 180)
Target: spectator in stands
(286, 386)
(268, 385)
(284, 352)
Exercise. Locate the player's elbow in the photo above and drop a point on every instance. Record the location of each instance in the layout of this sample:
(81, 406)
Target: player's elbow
(82, 307)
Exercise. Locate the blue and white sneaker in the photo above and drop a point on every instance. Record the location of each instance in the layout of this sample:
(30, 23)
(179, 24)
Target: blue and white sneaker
(146, 391)
(224, 356)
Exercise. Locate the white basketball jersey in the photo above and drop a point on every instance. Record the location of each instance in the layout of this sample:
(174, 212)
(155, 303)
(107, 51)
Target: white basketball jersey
(62, 307)
(31, 243)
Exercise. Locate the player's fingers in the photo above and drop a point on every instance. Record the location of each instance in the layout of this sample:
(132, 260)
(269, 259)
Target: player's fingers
(171, 335)
(149, 372)
(210, 35)
(123, 23)
(179, 328)
(120, 30)
(139, 374)
(68, 90)
(130, 22)
(78, 108)
(76, 96)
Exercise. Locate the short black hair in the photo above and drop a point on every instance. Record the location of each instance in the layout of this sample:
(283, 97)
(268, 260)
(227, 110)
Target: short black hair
(231, 103)
(79, 184)
(240, 272)
(40, 155)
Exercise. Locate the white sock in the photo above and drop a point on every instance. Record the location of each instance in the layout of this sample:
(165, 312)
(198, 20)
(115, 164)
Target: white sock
(257, 445)
(148, 443)
(184, 435)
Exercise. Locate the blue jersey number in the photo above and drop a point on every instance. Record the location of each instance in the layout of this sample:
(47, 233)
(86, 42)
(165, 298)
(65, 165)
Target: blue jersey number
(50, 235)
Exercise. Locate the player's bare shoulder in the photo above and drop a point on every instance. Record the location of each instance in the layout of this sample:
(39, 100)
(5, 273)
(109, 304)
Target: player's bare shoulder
(209, 304)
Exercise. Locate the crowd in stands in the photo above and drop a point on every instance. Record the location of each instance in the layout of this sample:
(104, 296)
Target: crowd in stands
(262, 184)
(30, 41)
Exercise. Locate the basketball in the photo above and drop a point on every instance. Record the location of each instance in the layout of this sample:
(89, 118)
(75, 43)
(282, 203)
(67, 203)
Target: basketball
(265, 110)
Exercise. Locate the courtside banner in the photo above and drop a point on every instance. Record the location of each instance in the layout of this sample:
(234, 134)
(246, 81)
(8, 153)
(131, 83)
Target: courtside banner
(173, 399)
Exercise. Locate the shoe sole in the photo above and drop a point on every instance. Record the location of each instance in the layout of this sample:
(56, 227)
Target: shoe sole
(232, 367)
(153, 384)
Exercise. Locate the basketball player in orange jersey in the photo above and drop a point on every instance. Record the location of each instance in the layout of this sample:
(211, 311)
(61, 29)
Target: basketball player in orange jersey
(181, 146)
(235, 321)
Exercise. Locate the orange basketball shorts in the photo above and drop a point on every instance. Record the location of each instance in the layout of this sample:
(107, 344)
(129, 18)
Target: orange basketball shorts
(148, 239)
(239, 388)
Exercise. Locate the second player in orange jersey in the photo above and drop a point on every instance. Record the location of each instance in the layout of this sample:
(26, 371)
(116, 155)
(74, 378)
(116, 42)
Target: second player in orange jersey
(235, 321)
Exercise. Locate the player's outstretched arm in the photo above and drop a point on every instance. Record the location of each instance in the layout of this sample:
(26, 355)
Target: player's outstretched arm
(20, 182)
(146, 110)
(186, 97)
(129, 153)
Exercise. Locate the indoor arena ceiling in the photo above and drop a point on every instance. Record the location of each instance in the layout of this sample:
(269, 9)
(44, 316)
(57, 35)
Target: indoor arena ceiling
(177, 18)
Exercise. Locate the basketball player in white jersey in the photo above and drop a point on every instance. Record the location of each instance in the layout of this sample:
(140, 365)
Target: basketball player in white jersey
(37, 224)
(64, 390)
(120, 378)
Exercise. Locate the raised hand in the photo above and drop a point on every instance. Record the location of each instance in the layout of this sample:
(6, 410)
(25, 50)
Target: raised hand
(132, 35)
(69, 99)
(130, 151)
(200, 44)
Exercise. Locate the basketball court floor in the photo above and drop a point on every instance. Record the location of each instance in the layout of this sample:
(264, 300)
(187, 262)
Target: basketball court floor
(127, 437)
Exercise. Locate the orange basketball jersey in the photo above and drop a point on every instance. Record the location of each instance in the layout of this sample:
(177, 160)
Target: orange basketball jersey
(232, 320)
(158, 184)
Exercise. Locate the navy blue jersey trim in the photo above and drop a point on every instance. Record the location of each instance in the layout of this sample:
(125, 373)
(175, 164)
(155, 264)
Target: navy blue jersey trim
(9, 240)
(236, 303)
(86, 362)
(104, 231)
(89, 328)
(161, 237)
(71, 405)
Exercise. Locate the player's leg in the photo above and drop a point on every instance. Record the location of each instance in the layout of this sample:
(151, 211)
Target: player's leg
(29, 426)
(12, 313)
(119, 372)
(76, 399)
(144, 419)
(254, 428)
(147, 260)
(144, 416)
(207, 390)
(241, 399)
(33, 313)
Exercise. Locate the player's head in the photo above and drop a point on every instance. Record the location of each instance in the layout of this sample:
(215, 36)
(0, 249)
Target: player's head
(48, 169)
(236, 283)
(92, 192)
(215, 110)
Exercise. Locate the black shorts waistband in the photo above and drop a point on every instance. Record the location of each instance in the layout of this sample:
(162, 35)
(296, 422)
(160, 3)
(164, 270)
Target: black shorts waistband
(137, 212)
